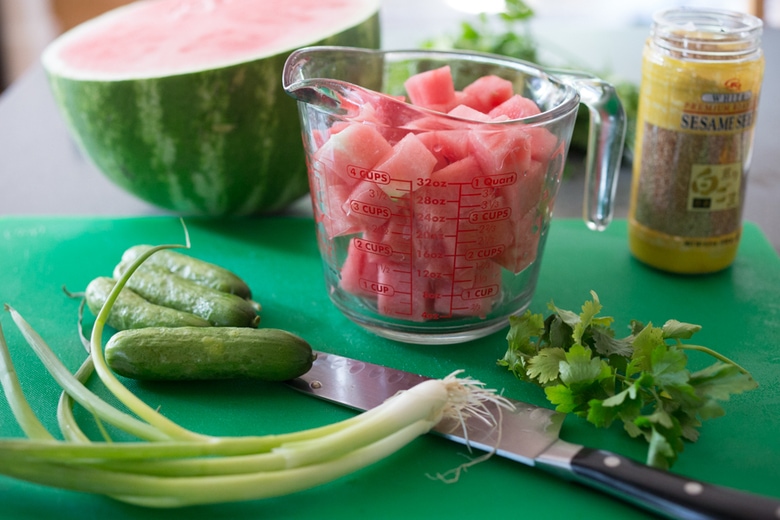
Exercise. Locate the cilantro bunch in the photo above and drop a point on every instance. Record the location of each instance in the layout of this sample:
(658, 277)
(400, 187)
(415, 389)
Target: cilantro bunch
(641, 379)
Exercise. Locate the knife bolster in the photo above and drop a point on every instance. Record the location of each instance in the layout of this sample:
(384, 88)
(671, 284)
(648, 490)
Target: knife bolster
(557, 458)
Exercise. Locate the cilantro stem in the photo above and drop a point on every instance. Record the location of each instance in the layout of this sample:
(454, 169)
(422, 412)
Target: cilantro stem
(716, 355)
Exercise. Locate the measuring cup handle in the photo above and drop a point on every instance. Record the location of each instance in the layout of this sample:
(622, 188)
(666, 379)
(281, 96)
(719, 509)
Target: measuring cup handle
(605, 145)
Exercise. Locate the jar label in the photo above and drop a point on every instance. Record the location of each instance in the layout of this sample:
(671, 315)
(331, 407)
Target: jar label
(693, 141)
(698, 98)
(714, 187)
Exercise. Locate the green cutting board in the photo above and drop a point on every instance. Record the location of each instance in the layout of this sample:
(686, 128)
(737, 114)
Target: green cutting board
(738, 308)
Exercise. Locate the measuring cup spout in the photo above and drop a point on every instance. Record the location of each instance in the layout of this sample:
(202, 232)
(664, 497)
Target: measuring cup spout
(324, 94)
(309, 76)
(298, 84)
(605, 145)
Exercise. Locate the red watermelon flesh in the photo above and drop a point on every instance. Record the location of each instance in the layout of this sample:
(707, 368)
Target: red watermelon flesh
(486, 93)
(524, 195)
(472, 293)
(408, 161)
(501, 150)
(389, 243)
(515, 107)
(432, 89)
(403, 294)
(117, 50)
(543, 143)
(439, 208)
(521, 249)
(368, 207)
(352, 150)
(466, 112)
(448, 146)
(336, 220)
(179, 102)
(357, 272)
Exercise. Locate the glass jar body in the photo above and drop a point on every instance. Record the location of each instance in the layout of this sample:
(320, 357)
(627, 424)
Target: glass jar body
(701, 79)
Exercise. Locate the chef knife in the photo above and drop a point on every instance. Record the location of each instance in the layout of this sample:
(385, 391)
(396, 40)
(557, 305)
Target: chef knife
(529, 434)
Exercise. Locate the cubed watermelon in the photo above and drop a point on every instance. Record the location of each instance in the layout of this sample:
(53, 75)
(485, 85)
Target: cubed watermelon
(403, 292)
(501, 150)
(357, 273)
(522, 237)
(465, 116)
(467, 112)
(463, 170)
(336, 221)
(356, 145)
(433, 89)
(527, 192)
(543, 143)
(395, 236)
(368, 206)
(473, 291)
(516, 107)
(441, 206)
(408, 163)
(487, 92)
(448, 146)
(388, 114)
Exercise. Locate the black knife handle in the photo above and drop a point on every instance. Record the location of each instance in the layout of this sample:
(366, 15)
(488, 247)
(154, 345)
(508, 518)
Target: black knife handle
(667, 493)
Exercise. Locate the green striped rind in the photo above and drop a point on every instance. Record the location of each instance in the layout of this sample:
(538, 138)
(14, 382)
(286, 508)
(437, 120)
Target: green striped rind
(218, 142)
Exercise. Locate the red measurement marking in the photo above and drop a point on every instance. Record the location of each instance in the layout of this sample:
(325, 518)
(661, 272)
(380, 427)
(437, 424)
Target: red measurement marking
(485, 252)
(490, 181)
(370, 210)
(430, 183)
(363, 174)
(376, 287)
(373, 247)
(490, 215)
(477, 293)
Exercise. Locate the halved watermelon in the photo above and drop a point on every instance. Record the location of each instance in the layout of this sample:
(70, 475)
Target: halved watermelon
(181, 103)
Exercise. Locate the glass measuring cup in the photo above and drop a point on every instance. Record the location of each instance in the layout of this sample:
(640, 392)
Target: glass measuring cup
(431, 225)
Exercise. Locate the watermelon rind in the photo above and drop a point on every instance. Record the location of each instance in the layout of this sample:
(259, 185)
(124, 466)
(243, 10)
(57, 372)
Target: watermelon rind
(217, 141)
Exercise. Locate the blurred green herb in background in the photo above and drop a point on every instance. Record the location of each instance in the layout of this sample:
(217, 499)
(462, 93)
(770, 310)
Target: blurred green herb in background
(509, 34)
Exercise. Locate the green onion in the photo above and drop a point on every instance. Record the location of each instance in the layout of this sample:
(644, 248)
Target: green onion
(171, 466)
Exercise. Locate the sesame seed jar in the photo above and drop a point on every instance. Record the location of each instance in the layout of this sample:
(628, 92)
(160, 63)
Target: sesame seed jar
(701, 77)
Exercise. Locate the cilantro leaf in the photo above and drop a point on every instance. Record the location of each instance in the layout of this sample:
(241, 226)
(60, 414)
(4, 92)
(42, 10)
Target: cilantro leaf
(579, 367)
(720, 380)
(545, 366)
(606, 345)
(522, 330)
(563, 397)
(674, 329)
(572, 319)
(641, 380)
(660, 454)
(668, 366)
(645, 342)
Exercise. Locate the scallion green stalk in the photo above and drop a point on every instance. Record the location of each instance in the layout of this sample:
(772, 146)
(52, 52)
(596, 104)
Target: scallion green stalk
(20, 407)
(171, 466)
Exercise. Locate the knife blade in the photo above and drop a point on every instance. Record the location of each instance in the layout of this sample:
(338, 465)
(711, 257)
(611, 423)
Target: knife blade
(530, 434)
